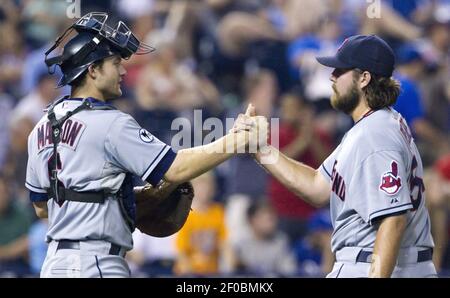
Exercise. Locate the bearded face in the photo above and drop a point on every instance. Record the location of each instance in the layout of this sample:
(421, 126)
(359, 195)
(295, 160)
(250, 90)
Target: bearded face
(346, 101)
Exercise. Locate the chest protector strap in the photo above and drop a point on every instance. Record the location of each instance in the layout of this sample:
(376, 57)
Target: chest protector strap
(57, 191)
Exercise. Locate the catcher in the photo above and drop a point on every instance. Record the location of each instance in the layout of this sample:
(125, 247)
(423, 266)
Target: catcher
(83, 153)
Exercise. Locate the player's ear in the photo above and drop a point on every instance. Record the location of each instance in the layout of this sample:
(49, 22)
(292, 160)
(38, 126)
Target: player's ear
(92, 71)
(364, 79)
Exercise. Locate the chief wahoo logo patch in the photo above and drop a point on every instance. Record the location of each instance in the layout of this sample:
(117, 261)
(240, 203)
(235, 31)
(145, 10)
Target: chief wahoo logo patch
(390, 181)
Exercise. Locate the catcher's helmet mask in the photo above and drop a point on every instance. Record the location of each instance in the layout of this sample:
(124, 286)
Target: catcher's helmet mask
(95, 41)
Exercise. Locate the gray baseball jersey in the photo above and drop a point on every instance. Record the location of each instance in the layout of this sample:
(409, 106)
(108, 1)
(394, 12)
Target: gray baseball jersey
(98, 148)
(375, 172)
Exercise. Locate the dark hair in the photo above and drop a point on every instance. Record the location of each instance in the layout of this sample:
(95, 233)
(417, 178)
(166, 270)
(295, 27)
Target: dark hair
(381, 92)
(79, 82)
(256, 206)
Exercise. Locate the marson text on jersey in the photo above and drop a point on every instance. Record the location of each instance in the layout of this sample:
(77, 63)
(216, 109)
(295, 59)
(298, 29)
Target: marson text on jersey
(70, 134)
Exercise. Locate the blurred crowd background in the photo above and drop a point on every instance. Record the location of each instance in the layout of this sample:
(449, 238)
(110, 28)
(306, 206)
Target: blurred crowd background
(217, 56)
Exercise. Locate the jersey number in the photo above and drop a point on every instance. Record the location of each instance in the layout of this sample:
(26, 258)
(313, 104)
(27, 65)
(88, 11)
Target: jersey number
(50, 164)
(416, 185)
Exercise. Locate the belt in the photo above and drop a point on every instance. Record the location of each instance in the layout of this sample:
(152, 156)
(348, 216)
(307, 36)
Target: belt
(73, 244)
(422, 256)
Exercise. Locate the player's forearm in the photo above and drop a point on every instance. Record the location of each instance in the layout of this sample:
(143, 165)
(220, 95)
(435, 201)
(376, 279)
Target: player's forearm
(387, 246)
(297, 177)
(438, 217)
(195, 161)
(41, 209)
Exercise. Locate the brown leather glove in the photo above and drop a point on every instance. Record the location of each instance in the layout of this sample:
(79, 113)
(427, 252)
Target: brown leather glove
(162, 211)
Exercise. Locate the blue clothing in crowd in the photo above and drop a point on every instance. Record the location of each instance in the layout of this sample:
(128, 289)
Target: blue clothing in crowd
(37, 245)
(409, 102)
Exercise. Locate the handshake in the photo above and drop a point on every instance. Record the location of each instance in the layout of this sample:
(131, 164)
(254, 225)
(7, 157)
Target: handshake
(250, 132)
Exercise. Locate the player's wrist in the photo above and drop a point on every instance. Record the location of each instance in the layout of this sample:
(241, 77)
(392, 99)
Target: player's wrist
(264, 151)
(240, 140)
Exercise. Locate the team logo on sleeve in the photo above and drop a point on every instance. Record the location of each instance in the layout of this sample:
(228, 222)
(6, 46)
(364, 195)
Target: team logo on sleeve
(390, 181)
(145, 136)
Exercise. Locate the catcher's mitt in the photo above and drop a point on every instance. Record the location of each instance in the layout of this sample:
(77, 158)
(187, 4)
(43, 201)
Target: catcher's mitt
(162, 211)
